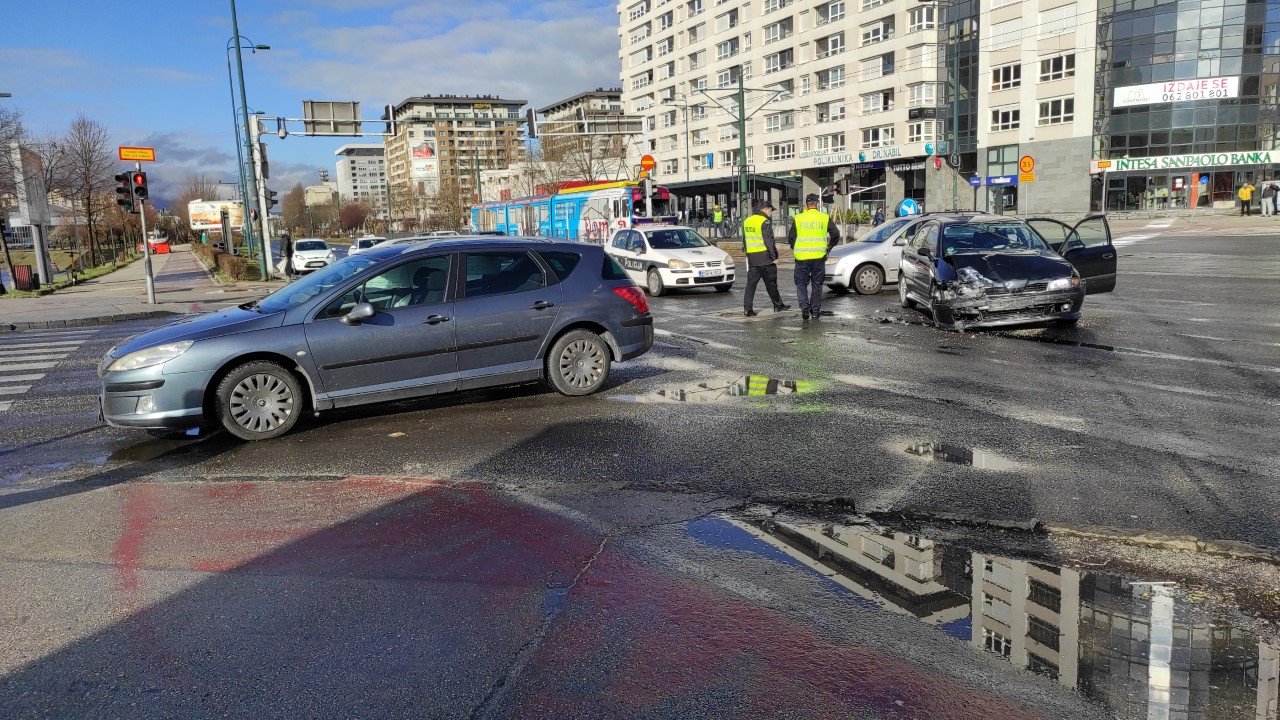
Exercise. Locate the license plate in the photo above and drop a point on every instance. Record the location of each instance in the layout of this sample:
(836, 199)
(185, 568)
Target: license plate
(709, 273)
(315, 264)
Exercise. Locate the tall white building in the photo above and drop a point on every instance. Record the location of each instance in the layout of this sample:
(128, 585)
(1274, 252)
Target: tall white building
(362, 175)
(859, 83)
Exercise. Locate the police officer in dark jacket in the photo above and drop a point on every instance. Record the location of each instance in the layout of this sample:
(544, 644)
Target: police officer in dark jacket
(762, 258)
(811, 235)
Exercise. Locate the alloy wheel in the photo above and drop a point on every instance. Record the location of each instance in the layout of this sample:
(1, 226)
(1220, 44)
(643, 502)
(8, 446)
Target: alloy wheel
(261, 403)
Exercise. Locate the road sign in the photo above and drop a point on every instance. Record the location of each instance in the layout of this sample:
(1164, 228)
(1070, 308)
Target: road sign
(1026, 177)
(139, 154)
(954, 160)
(1027, 164)
(975, 181)
(1104, 164)
(644, 174)
(908, 207)
(647, 162)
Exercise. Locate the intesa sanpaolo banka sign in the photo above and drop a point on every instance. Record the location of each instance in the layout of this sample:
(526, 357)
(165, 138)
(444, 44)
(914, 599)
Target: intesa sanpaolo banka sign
(1195, 160)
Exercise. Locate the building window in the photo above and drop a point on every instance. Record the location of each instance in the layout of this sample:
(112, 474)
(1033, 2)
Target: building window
(833, 142)
(877, 31)
(771, 5)
(877, 136)
(1005, 118)
(921, 18)
(728, 76)
(637, 11)
(778, 61)
(727, 21)
(666, 19)
(666, 46)
(830, 111)
(833, 45)
(877, 102)
(698, 33)
(670, 167)
(728, 132)
(1003, 3)
(700, 137)
(1044, 595)
(922, 94)
(778, 122)
(697, 60)
(1006, 77)
(831, 12)
(780, 151)
(1057, 68)
(702, 161)
(727, 49)
(728, 158)
(698, 84)
(1058, 111)
(1058, 21)
(830, 79)
(693, 7)
(1006, 34)
(868, 4)
(996, 643)
(641, 80)
(876, 67)
(1041, 666)
(698, 112)
(921, 131)
(780, 30)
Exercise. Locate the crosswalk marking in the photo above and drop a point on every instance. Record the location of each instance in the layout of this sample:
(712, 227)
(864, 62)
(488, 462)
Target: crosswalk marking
(20, 378)
(31, 352)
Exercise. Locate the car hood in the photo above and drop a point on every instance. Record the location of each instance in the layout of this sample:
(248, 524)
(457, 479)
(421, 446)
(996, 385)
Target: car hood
(200, 327)
(1002, 267)
(693, 255)
(312, 253)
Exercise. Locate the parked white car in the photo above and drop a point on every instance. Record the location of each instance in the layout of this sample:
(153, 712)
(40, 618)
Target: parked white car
(362, 244)
(866, 265)
(660, 258)
(311, 254)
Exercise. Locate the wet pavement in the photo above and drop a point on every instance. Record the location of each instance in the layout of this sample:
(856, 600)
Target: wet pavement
(514, 553)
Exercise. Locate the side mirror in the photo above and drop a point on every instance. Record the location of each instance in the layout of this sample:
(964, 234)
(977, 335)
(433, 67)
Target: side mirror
(925, 251)
(637, 249)
(902, 240)
(1071, 246)
(362, 311)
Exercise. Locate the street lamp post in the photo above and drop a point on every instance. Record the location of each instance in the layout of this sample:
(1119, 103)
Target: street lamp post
(235, 126)
(251, 184)
(684, 103)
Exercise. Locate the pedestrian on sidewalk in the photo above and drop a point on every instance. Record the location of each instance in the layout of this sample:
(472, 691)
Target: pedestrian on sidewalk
(811, 235)
(762, 258)
(1246, 198)
(1268, 198)
(878, 220)
(286, 251)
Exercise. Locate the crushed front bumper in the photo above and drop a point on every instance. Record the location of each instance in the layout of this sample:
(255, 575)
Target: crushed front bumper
(1028, 308)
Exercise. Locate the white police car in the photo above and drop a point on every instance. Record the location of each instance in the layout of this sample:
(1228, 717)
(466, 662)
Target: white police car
(660, 258)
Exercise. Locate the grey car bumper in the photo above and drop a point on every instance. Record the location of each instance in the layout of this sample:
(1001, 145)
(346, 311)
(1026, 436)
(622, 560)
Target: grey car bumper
(1009, 310)
(148, 398)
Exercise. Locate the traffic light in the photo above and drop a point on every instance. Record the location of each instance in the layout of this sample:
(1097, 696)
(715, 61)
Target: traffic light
(531, 124)
(140, 185)
(271, 199)
(124, 193)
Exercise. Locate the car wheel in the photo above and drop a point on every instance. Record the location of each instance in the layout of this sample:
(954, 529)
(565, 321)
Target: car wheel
(259, 400)
(868, 279)
(903, 300)
(578, 363)
(724, 288)
(654, 284)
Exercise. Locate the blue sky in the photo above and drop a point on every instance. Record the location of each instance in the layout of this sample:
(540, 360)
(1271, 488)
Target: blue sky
(157, 76)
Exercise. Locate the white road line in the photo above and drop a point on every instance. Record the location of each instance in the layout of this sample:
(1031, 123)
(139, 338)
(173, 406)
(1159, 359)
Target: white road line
(71, 334)
(15, 390)
(5, 405)
(1168, 222)
(1222, 339)
(20, 378)
(48, 345)
(1130, 240)
(28, 354)
(26, 366)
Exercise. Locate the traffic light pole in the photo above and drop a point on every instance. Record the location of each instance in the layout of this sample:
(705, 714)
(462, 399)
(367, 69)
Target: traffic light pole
(256, 137)
(146, 245)
(250, 180)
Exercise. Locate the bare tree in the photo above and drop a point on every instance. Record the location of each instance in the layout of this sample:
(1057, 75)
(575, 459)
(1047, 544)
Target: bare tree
(293, 207)
(90, 167)
(352, 216)
(11, 131)
(447, 206)
(589, 157)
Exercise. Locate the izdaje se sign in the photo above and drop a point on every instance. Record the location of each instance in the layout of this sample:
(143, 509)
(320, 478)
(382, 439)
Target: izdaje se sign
(1177, 91)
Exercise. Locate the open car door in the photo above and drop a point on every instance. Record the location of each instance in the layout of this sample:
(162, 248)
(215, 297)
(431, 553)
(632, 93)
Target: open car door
(1087, 246)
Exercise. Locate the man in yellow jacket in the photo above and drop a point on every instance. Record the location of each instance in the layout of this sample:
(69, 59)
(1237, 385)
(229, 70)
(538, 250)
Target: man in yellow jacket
(811, 235)
(1246, 196)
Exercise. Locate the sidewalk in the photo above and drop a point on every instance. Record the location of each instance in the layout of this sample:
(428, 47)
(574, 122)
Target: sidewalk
(183, 286)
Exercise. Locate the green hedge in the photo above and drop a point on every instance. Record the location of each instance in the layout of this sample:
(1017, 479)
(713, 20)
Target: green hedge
(232, 266)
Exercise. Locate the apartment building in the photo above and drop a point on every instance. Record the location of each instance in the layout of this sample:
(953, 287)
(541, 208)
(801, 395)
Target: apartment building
(841, 92)
(450, 139)
(362, 175)
(1029, 614)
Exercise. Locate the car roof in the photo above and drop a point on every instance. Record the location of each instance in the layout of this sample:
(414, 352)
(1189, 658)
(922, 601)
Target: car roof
(322, 240)
(968, 217)
(401, 246)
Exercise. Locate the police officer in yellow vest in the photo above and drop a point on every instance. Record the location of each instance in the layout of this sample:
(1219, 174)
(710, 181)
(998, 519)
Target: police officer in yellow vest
(762, 258)
(717, 222)
(811, 235)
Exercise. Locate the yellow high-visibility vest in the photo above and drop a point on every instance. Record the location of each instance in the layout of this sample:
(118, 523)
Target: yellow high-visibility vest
(753, 233)
(717, 216)
(811, 235)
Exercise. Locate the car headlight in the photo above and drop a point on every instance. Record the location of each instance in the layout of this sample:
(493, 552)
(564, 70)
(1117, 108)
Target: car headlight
(833, 260)
(298, 258)
(150, 356)
(678, 265)
(1064, 283)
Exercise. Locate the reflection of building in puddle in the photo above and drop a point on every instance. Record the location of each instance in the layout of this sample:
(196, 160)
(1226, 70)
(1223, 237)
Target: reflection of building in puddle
(721, 390)
(946, 452)
(1142, 649)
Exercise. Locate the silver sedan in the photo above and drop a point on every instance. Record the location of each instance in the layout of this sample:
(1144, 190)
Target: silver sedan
(866, 265)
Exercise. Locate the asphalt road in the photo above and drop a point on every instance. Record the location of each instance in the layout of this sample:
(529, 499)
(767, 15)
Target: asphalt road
(304, 557)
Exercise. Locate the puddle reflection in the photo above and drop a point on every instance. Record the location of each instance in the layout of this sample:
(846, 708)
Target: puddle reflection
(1142, 649)
(722, 390)
(946, 452)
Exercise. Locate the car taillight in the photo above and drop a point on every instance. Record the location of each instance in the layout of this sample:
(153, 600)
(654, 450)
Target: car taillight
(633, 295)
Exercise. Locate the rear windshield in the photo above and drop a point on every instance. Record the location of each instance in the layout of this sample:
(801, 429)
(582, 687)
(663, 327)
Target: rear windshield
(310, 245)
(612, 270)
(562, 262)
